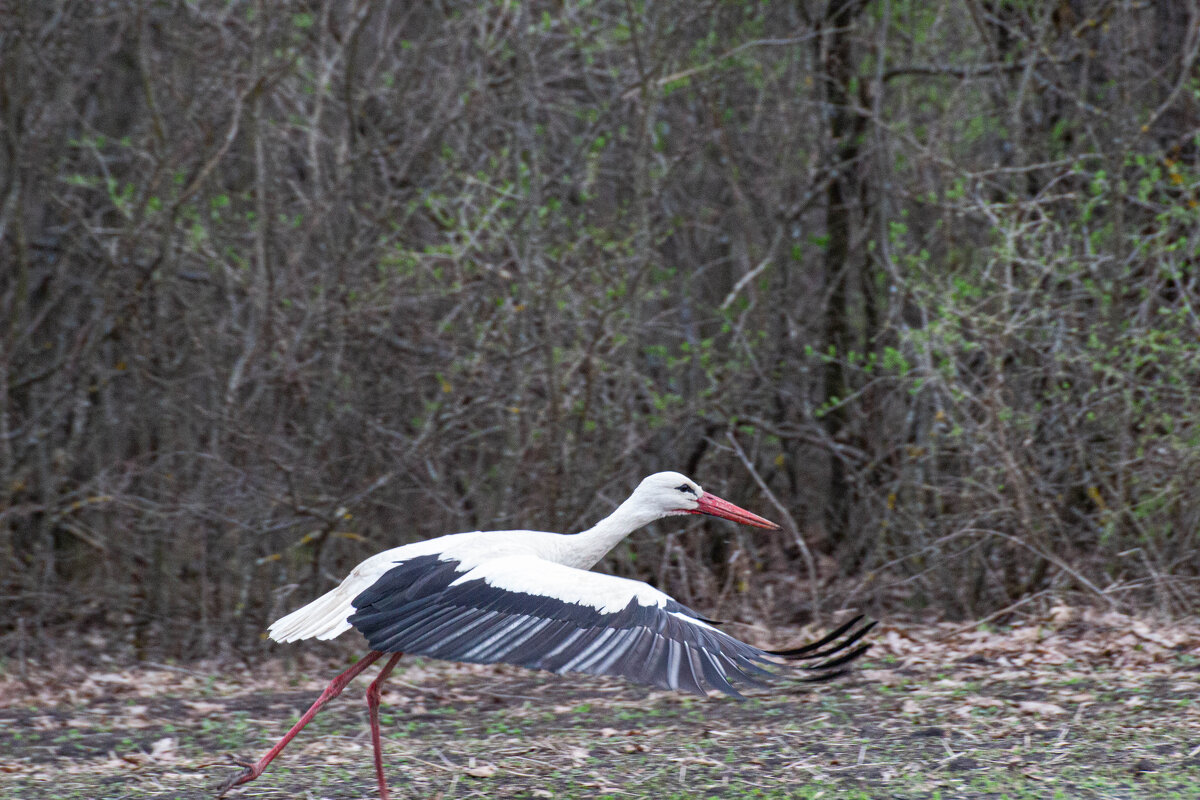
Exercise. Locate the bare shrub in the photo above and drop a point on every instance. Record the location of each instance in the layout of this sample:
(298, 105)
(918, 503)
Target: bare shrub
(284, 284)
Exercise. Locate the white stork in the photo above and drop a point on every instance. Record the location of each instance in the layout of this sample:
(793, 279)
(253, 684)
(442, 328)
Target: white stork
(527, 598)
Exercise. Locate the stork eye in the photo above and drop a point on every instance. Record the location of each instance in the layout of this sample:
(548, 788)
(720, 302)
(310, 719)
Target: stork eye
(683, 487)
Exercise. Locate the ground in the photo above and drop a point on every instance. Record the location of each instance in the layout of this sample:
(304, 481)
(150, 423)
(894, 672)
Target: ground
(1078, 705)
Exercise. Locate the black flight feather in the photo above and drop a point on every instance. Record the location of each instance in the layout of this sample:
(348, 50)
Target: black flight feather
(420, 607)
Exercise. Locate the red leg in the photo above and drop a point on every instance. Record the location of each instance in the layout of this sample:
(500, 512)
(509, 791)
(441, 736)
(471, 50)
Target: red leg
(331, 691)
(373, 705)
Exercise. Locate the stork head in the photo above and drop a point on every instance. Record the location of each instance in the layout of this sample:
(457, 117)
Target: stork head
(671, 493)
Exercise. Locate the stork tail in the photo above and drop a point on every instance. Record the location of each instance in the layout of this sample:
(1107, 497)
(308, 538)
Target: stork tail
(323, 618)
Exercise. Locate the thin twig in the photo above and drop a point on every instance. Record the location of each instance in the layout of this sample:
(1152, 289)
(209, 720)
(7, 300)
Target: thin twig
(789, 524)
(976, 623)
(753, 273)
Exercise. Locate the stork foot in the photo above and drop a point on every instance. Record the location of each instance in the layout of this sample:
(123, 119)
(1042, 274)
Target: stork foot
(249, 772)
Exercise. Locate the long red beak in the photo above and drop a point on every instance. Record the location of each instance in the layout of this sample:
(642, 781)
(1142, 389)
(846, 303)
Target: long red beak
(714, 506)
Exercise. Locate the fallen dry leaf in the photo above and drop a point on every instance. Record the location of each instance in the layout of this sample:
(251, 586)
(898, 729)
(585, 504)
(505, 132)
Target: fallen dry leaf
(204, 707)
(481, 771)
(985, 702)
(163, 749)
(1040, 708)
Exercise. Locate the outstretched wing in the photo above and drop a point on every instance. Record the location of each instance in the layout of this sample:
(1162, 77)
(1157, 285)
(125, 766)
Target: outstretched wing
(534, 613)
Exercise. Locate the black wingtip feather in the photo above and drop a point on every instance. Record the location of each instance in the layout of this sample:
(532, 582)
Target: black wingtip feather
(824, 677)
(841, 660)
(813, 647)
(837, 647)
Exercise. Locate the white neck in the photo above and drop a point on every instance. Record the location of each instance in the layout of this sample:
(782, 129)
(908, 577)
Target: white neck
(583, 550)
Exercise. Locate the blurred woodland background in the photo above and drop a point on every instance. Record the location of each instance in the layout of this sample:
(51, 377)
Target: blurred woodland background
(286, 283)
